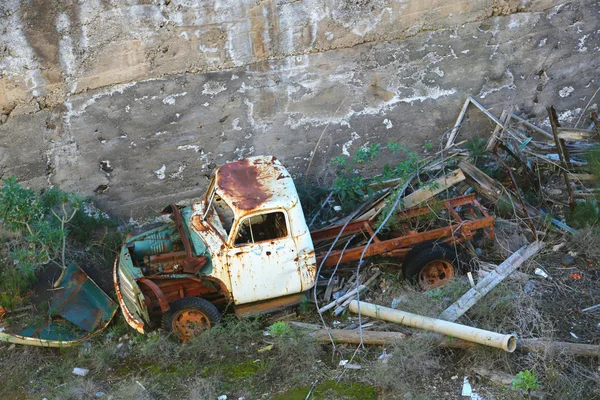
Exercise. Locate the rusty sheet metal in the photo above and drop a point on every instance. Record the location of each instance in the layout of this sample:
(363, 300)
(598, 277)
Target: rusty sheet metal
(84, 310)
(253, 183)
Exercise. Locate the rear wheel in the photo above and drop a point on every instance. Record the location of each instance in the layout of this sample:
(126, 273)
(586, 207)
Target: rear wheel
(431, 267)
(190, 316)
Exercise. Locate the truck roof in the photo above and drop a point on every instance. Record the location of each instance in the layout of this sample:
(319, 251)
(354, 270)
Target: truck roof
(255, 183)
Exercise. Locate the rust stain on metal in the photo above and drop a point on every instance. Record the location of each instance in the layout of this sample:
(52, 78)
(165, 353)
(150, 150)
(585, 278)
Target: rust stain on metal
(243, 183)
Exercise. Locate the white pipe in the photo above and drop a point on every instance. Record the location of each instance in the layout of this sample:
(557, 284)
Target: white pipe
(505, 342)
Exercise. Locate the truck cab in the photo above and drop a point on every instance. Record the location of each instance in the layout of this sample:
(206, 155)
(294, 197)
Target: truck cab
(244, 248)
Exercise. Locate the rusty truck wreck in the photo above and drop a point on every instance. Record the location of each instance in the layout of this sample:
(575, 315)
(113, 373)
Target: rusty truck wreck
(246, 247)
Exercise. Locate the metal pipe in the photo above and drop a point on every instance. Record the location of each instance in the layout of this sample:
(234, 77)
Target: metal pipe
(505, 342)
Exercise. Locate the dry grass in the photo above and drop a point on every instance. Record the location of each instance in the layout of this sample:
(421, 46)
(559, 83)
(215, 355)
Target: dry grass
(587, 242)
(408, 369)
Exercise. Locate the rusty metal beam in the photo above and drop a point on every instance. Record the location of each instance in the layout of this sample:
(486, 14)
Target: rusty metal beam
(451, 233)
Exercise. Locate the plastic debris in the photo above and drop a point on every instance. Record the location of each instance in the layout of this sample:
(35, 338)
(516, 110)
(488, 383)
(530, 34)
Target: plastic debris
(542, 273)
(80, 371)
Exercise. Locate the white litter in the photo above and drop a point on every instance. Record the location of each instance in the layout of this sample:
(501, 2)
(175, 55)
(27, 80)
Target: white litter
(80, 371)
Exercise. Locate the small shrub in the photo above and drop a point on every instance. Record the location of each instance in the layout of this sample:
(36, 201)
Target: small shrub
(477, 149)
(279, 328)
(586, 213)
(525, 381)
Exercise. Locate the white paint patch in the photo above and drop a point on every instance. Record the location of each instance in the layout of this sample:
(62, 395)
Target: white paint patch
(581, 46)
(353, 136)
(438, 71)
(189, 147)
(179, 173)
(234, 77)
(212, 88)
(566, 91)
(160, 173)
(489, 89)
(256, 125)
(465, 51)
(206, 104)
(243, 88)
(569, 116)
(243, 152)
(170, 99)
(76, 112)
(235, 124)
(514, 22)
(388, 124)
(542, 42)
(426, 92)
(366, 25)
(329, 36)
(161, 133)
(127, 108)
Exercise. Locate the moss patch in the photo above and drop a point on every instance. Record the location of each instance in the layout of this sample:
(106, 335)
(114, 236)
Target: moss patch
(325, 390)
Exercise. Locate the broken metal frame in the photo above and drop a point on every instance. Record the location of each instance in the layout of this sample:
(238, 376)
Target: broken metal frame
(457, 231)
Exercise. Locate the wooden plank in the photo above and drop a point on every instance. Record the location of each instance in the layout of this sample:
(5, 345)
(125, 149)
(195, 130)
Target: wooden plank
(563, 154)
(497, 131)
(433, 188)
(490, 281)
(430, 190)
(550, 347)
(581, 135)
(386, 338)
(583, 177)
(461, 115)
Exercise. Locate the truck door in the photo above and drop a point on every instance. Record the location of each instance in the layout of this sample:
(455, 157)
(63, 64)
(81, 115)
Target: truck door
(262, 258)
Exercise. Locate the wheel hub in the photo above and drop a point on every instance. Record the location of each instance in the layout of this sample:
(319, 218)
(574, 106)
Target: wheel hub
(188, 323)
(435, 274)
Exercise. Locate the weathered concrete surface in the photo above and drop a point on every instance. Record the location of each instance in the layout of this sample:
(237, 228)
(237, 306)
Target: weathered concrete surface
(162, 92)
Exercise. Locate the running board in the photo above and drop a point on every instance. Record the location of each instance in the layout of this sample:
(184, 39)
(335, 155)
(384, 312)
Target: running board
(268, 306)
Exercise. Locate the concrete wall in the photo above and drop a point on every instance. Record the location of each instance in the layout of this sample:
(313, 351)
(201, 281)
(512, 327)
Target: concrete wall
(134, 101)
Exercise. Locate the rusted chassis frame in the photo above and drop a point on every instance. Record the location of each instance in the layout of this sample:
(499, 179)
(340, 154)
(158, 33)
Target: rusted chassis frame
(458, 231)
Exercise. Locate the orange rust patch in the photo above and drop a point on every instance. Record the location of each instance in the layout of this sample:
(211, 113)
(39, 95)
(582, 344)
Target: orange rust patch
(242, 181)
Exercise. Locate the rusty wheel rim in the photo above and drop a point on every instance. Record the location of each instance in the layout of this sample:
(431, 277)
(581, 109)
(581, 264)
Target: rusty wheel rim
(436, 273)
(187, 323)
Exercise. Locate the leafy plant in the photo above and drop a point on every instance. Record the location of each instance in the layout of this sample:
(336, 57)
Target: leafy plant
(279, 328)
(43, 223)
(477, 149)
(525, 381)
(366, 153)
(586, 213)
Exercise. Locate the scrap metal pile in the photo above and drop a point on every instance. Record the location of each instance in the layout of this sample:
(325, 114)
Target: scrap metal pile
(522, 175)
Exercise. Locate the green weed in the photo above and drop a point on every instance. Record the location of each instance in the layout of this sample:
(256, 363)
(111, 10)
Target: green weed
(525, 381)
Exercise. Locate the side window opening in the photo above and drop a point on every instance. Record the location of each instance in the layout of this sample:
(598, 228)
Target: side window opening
(224, 212)
(262, 227)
